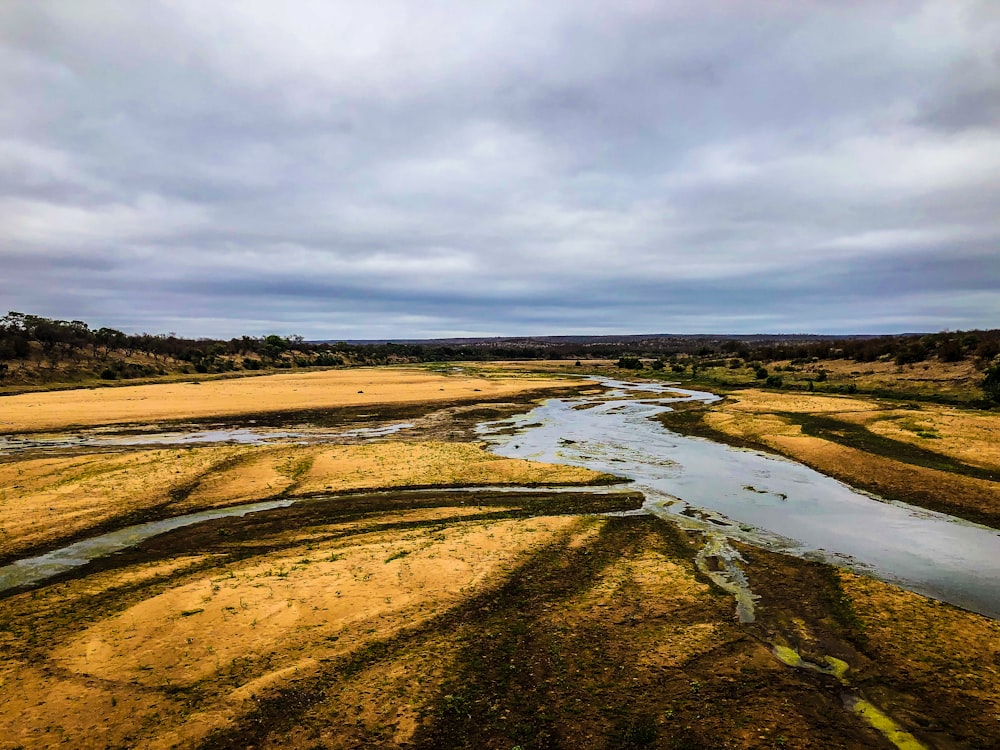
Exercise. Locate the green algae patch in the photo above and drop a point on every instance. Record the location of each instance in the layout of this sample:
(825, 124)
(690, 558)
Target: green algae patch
(892, 731)
(838, 667)
(790, 657)
(867, 711)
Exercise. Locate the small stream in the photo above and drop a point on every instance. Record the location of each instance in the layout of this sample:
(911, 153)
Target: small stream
(757, 498)
(34, 569)
(111, 437)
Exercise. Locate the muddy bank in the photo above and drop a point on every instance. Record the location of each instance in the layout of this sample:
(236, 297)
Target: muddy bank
(124, 546)
(54, 501)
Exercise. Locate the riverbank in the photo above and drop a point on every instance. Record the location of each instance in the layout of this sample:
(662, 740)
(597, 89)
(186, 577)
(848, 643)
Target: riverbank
(944, 458)
(483, 620)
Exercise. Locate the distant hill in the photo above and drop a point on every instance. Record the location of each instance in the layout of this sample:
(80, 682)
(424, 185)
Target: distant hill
(622, 339)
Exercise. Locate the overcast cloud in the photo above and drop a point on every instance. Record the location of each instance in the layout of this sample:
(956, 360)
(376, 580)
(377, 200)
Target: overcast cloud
(400, 169)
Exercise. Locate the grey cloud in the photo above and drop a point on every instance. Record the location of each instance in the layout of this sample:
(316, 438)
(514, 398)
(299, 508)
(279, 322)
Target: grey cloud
(475, 168)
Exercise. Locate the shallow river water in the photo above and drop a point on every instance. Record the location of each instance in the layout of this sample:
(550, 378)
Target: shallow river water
(758, 498)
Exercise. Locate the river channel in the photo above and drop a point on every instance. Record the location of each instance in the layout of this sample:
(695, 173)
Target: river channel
(757, 498)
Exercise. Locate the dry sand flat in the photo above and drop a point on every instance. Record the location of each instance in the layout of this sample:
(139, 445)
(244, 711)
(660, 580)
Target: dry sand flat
(45, 500)
(442, 619)
(166, 664)
(270, 393)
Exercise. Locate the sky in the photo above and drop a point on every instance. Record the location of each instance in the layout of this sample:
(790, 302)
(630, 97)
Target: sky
(382, 169)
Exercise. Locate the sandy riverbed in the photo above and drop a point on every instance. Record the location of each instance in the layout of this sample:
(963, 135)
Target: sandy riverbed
(297, 391)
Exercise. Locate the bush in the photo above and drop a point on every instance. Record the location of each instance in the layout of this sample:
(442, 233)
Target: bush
(108, 374)
(991, 383)
(773, 381)
(761, 373)
(630, 363)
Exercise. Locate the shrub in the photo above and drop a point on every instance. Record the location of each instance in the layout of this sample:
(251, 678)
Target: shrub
(630, 363)
(108, 374)
(761, 373)
(991, 383)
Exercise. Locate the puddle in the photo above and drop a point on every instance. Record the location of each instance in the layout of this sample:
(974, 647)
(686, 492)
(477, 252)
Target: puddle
(34, 569)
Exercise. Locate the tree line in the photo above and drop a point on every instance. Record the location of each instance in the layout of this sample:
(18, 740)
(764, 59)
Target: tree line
(45, 343)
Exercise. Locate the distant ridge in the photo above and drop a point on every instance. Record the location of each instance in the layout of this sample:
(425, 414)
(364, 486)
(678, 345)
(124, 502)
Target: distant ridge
(637, 338)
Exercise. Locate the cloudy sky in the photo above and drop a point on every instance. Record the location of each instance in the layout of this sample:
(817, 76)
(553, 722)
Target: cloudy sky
(386, 169)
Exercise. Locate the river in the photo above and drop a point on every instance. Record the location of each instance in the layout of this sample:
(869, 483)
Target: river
(760, 499)
(757, 498)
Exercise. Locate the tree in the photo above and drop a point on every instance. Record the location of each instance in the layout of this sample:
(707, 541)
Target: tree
(950, 351)
(991, 383)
